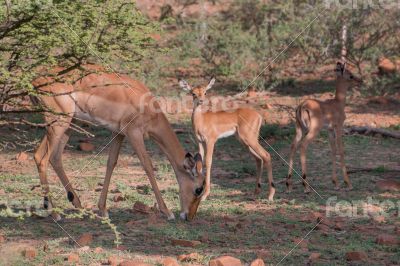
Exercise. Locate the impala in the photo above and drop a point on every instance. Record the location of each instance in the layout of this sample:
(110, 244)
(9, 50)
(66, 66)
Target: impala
(210, 126)
(312, 116)
(122, 105)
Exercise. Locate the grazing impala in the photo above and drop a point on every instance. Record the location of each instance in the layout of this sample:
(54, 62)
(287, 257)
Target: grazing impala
(122, 105)
(210, 126)
(312, 116)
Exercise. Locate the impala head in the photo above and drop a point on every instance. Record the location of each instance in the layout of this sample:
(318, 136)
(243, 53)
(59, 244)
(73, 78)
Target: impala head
(191, 189)
(198, 93)
(343, 72)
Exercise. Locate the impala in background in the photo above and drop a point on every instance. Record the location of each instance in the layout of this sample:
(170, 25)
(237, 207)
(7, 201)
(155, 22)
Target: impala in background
(312, 116)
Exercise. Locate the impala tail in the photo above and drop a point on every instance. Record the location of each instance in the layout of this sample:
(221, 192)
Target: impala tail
(303, 118)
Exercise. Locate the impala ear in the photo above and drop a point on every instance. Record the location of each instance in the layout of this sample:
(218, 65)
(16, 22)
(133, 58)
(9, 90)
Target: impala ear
(184, 85)
(189, 162)
(199, 162)
(210, 84)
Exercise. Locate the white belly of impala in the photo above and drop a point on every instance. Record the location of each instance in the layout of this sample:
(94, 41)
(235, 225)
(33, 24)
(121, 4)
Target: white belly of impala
(226, 134)
(87, 117)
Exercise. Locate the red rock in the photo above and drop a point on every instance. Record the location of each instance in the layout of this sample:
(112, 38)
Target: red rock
(225, 261)
(85, 240)
(185, 243)
(133, 263)
(387, 240)
(189, 257)
(168, 261)
(339, 226)
(257, 262)
(204, 238)
(251, 92)
(114, 260)
(141, 207)
(386, 66)
(379, 218)
(290, 226)
(73, 257)
(98, 250)
(21, 157)
(83, 249)
(322, 227)
(29, 253)
(156, 37)
(356, 255)
(326, 221)
(121, 248)
(317, 215)
(2, 238)
(314, 256)
(303, 243)
(264, 254)
(86, 147)
(388, 185)
(118, 198)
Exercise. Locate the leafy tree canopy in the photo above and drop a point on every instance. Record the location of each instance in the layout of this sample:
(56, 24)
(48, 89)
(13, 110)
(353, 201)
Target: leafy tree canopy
(37, 35)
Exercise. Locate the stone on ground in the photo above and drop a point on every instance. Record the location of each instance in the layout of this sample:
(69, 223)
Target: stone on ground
(225, 261)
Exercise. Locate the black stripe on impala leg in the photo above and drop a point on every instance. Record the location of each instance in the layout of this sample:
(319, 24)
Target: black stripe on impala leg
(46, 202)
(258, 185)
(272, 184)
(287, 180)
(304, 178)
(70, 196)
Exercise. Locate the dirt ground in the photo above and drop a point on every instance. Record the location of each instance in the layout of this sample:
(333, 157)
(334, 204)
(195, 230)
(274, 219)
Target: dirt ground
(232, 221)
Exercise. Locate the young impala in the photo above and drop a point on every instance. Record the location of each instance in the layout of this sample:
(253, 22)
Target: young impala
(210, 126)
(312, 116)
(127, 108)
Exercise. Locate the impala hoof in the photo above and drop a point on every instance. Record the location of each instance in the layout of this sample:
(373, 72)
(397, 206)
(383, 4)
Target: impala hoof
(56, 217)
(171, 217)
(349, 188)
(103, 214)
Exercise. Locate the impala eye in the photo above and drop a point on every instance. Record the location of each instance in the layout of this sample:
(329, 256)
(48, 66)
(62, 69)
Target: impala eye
(198, 191)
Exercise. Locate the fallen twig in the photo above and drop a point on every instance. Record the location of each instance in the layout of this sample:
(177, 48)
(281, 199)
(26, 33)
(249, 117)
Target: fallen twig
(370, 169)
(371, 130)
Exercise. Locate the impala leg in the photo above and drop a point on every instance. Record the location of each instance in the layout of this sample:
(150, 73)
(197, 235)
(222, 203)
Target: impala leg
(42, 157)
(137, 142)
(111, 163)
(56, 162)
(259, 165)
(303, 150)
(293, 149)
(201, 149)
(332, 142)
(339, 141)
(256, 148)
(209, 149)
